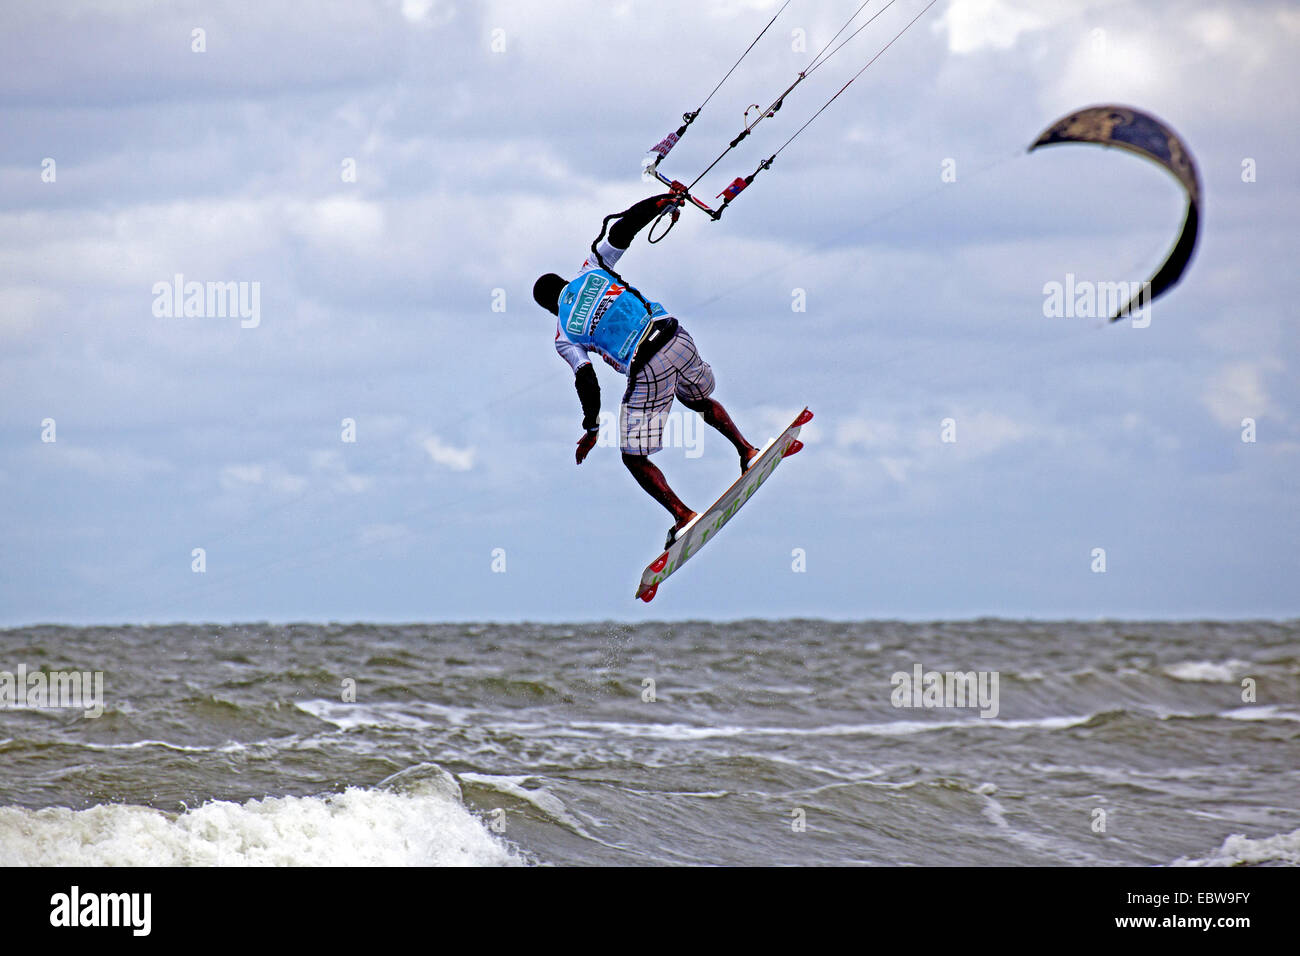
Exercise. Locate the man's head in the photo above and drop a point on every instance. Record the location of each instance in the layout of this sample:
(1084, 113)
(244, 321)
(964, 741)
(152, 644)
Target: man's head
(546, 292)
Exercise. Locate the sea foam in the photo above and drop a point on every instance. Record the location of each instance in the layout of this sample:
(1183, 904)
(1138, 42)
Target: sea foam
(423, 825)
(1238, 850)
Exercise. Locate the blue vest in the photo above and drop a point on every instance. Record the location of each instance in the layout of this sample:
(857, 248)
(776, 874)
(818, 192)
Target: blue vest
(597, 311)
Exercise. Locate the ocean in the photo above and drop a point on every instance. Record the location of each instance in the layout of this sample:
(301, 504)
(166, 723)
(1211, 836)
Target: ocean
(792, 742)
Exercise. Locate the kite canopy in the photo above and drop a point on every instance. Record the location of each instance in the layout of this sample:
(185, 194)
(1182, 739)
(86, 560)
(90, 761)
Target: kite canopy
(1124, 127)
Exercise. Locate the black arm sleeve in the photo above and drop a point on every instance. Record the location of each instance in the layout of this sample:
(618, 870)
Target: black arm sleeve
(589, 394)
(634, 220)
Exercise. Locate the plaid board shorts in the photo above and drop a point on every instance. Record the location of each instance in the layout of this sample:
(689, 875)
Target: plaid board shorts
(676, 370)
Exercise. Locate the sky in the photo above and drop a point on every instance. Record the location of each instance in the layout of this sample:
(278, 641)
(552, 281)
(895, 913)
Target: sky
(383, 181)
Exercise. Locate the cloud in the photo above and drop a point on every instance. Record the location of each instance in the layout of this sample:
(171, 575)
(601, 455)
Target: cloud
(273, 476)
(865, 432)
(988, 432)
(977, 434)
(457, 459)
(897, 468)
(332, 465)
(975, 25)
(382, 533)
(1237, 391)
(923, 298)
(427, 13)
(233, 475)
(22, 308)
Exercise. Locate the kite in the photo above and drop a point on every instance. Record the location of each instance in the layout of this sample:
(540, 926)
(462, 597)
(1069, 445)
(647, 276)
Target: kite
(1124, 127)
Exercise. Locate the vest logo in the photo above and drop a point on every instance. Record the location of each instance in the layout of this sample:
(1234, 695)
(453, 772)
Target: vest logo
(587, 296)
(608, 299)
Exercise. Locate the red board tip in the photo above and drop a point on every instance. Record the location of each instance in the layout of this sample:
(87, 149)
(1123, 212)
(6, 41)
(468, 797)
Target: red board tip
(649, 595)
(804, 417)
(795, 447)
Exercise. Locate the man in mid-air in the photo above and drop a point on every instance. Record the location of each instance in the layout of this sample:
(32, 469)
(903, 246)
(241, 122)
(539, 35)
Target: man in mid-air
(598, 313)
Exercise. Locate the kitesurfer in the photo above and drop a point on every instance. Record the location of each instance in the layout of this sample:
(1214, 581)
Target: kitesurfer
(599, 313)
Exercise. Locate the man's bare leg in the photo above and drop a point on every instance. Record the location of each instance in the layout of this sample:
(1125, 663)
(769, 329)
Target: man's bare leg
(716, 416)
(649, 477)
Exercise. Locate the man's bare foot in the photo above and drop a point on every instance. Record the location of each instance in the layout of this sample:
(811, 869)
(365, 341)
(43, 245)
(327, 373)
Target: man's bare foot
(747, 458)
(672, 532)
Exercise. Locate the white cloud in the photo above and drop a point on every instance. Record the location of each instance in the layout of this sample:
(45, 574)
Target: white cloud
(428, 13)
(906, 451)
(457, 459)
(22, 308)
(865, 432)
(341, 221)
(1237, 391)
(273, 476)
(923, 300)
(416, 10)
(974, 25)
(382, 533)
(896, 468)
(328, 470)
(333, 466)
(233, 475)
(988, 431)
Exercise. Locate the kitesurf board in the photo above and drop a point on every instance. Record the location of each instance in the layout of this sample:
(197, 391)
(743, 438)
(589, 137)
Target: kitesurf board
(706, 525)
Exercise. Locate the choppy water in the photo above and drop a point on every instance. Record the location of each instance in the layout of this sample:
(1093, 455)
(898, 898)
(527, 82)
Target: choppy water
(499, 744)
